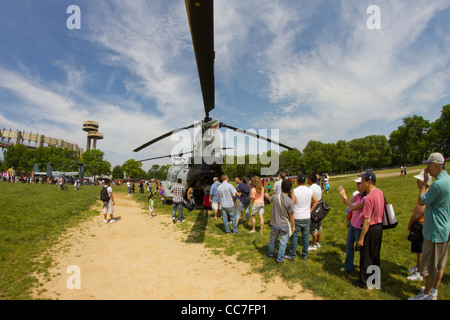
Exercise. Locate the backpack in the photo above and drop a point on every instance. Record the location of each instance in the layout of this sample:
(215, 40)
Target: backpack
(320, 211)
(104, 194)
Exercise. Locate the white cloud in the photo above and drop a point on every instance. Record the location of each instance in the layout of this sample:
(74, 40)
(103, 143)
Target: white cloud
(381, 75)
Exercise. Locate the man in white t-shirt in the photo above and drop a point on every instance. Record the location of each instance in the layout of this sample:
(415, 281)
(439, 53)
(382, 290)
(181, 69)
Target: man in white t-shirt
(108, 206)
(304, 202)
(316, 227)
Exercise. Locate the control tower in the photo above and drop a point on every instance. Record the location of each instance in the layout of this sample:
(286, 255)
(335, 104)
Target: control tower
(91, 127)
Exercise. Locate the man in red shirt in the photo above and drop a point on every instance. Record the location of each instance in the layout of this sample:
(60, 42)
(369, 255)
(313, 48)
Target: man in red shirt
(372, 229)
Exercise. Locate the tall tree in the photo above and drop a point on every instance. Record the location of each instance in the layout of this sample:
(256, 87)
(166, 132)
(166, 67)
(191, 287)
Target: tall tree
(440, 133)
(410, 142)
(94, 163)
(132, 168)
(18, 157)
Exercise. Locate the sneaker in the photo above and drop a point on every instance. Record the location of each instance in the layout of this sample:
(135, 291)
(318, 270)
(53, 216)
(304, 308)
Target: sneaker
(415, 277)
(289, 258)
(174, 220)
(413, 270)
(312, 248)
(318, 245)
(105, 221)
(112, 221)
(420, 296)
(433, 295)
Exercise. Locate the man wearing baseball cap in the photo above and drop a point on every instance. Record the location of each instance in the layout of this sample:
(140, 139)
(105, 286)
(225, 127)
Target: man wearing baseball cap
(372, 229)
(436, 226)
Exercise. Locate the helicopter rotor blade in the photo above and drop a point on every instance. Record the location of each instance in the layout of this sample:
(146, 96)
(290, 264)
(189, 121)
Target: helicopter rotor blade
(145, 145)
(201, 21)
(167, 156)
(256, 136)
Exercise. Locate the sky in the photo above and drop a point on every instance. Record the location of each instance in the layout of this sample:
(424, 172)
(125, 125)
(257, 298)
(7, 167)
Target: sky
(305, 70)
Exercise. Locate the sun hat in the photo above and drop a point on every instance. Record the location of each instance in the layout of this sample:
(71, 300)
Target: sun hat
(420, 177)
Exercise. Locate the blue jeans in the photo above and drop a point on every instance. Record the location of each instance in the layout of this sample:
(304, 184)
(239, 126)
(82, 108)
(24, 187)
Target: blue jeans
(303, 226)
(284, 237)
(232, 213)
(241, 206)
(178, 205)
(352, 237)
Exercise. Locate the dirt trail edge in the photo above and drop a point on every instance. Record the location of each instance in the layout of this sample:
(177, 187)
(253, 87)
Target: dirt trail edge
(142, 258)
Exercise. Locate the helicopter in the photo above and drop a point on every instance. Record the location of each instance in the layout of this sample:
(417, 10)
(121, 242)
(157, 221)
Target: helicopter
(206, 160)
(59, 174)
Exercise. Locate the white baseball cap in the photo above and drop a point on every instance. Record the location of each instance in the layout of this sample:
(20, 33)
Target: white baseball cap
(435, 157)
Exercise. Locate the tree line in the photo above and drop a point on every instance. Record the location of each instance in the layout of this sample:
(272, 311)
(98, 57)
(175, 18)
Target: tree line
(409, 144)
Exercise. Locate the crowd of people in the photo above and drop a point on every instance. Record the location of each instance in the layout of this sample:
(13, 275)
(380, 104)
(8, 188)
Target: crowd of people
(429, 226)
(291, 213)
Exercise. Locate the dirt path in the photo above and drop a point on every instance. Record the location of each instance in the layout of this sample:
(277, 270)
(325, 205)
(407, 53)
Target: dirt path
(142, 258)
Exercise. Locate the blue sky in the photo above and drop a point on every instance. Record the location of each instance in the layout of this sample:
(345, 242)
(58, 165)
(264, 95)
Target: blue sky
(311, 69)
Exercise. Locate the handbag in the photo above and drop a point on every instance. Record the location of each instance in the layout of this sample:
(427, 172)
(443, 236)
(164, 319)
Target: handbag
(287, 218)
(320, 211)
(389, 220)
(415, 234)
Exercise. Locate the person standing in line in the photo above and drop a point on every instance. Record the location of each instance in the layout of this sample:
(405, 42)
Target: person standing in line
(161, 194)
(244, 193)
(129, 187)
(417, 218)
(257, 196)
(108, 206)
(227, 195)
(436, 226)
(213, 197)
(191, 199)
(206, 203)
(355, 204)
(277, 184)
(304, 203)
(315, 227)
(282, 215)
(178, 192)
(369, 241)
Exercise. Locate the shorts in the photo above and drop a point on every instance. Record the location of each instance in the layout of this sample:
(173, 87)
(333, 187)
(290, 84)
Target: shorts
(108, 207)
(150, 209)
(417, 247)
(315, 227)
(206, 203)
(257, 209)
(434, 257)
(216, 206)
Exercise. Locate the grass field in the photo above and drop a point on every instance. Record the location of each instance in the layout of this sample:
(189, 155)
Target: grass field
(32, 217)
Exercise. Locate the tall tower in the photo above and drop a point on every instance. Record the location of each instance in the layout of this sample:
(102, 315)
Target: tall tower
(91, 127)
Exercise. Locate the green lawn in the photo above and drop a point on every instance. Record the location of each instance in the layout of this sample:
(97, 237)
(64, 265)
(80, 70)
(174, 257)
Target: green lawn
(33, 216)
(31, 219)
